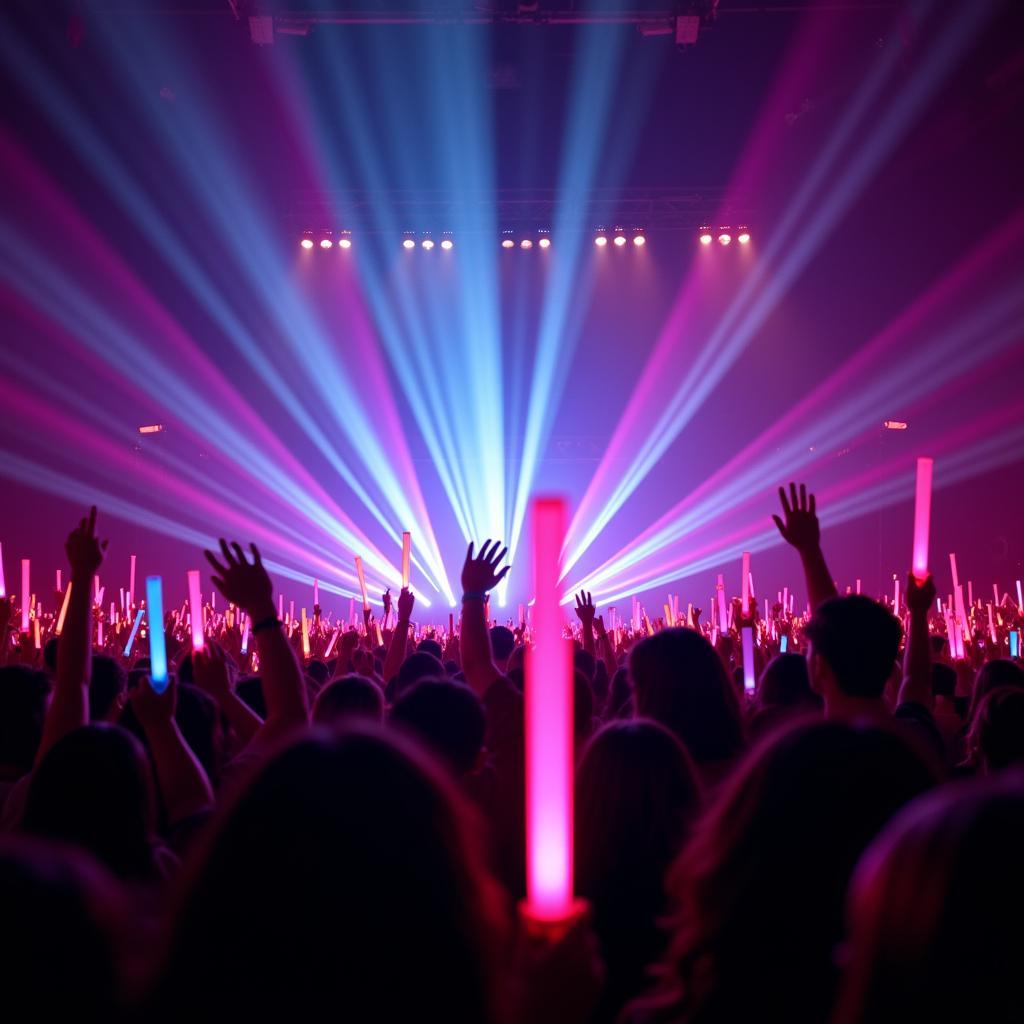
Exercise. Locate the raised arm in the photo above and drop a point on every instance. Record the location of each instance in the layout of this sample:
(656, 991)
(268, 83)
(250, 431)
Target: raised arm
(248, 585)
(182, 779)
(210, 669)
(69, 708)
(917, 654)
(802, 531)
(400, 637)
(605, 646)
(478, 578)
(585, 613)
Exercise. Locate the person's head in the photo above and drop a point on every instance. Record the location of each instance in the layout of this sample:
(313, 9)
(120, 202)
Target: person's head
(853, 644)
(583, 661)
(94, 789)
(943, 680)
(341, 847)
(50, 655)
(431, 647)
(503, 642)
(759, 887)
(350, 697)
(420, 665)
(250, 690)
(996, 738)
(991, 676)
(62, 914)
(935, 911)
(785, 683)
(108, 689)
(447, 717)
(23, 694)
(317, 672)
(679, 680)
(636, 796)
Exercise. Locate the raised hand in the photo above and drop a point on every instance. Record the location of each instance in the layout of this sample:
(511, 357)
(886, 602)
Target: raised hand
(800, 528)
(154, 710)
(478, 574)
(406, 601)
(211, 671)
(386, 600)
(585, 608)
(241, 582)
(599, 628)
(920, 596)
(84, 550)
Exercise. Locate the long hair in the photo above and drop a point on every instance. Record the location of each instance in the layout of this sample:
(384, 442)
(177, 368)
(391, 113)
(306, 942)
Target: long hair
(759, 888)
(345, 875)
(680, 681)
(935, 910)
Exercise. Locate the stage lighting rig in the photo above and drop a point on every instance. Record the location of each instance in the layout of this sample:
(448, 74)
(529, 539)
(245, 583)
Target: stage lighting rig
(705, 237)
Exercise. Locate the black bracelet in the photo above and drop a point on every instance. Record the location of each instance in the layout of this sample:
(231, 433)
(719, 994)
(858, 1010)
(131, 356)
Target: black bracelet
(268, 623)
(474, 595)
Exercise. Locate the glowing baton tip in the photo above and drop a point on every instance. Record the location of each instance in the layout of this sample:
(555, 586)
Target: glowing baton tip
(131, 635)
(406, 557)
(305, 634)
(922, 518)
(157, 640)
(362, 583)
(195, 601)
(548, 706)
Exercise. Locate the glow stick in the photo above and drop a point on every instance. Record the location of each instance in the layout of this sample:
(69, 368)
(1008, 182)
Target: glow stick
(785, 599)
(1020, 599)
(35, 627)
(245, 634)
(280, 606)
(3, 584)
(362, 583)
(59, 582)
(1015, 644)
(316, 594)
(96, 592)
(131, 583)
(723, 618)
(784, 644)
(960, 609)
(750, 583)
(922, 518)
(379, 634)
(995, 593)
(26, 601)
(305, 634)
(451, 621)
(195, 601)
(63, 610)
(548, 707)
(952, 567)
(213, 600)
(896, 594)
(157, 640)
(991, 625)
(747, 634)
(99, 597)
(113, 611)
(352, 610)
(291, 611)
(131, 635)
(330, 646)
(858, 586)
(99, 632)
(970, 594)
(668, 615)
(406, 554)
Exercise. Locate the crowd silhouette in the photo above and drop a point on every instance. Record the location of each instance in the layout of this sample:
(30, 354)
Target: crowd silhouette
(329, 820)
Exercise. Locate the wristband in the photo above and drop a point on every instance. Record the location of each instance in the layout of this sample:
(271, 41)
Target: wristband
(474, 595)
(268, 623)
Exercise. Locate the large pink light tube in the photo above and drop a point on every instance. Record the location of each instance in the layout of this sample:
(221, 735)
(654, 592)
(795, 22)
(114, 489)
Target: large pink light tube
(922, 518)
(749, 670)
(26, 599)
(548, 729)
(406, 558)
(195, 601)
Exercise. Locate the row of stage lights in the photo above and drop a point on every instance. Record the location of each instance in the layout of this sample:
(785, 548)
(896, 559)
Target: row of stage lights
(725, 235)
(603, 238)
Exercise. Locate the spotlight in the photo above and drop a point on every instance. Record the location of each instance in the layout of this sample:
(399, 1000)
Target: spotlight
(601, 239)
(446, 244)
(306, 243)
(427, 243)
(345, 242)
(526, 243)
(620, 238)
(724, 236)
(545, 243)
(743, 235)
(326, 243)
(705, 235)
(639, 239)
(507, 243)
(408, 243)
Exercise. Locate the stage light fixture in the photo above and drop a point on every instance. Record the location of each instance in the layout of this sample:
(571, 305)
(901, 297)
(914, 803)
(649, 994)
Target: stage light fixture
(620, 238)
(409, 243)
(545, 243)
(507, 243)
(705, 235)
(526, 243)
(447, 244)
(326, 243)
(639, 239)
(307, 241)
(743, 235)
(345, 242)
(724, 236)
(601, 239)
(427, 243)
